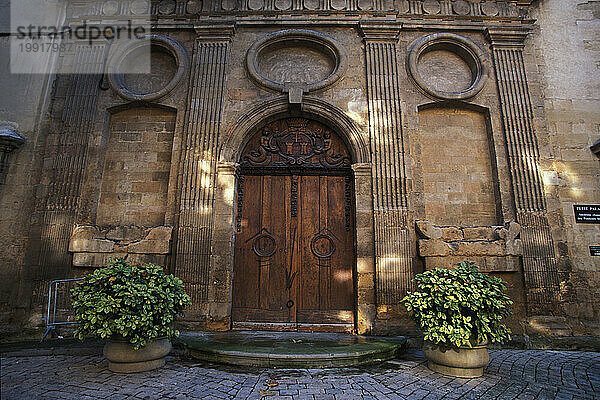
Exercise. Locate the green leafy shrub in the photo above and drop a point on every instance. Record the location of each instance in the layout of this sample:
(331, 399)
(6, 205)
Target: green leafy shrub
(459, 306)
(138, 303)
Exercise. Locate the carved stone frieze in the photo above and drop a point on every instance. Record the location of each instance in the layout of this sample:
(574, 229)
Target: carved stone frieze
(167, 8)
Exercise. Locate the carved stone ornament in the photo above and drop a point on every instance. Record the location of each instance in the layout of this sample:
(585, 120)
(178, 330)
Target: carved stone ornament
(295, 142)
(296, 61)
(116, 79)
(168, 8)
(475, 59)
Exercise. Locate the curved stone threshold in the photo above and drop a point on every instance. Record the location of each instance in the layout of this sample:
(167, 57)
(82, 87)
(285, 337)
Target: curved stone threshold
(290, 349)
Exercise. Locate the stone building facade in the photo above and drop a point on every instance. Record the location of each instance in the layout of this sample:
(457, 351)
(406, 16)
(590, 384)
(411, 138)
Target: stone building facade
(427, 132)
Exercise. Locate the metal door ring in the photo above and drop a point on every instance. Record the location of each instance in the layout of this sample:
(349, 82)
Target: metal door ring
(322, 246)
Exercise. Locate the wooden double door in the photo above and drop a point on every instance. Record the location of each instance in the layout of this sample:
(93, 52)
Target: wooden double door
(294, 253)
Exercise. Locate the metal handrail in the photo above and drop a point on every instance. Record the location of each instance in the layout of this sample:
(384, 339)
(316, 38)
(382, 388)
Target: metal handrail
(53, 304)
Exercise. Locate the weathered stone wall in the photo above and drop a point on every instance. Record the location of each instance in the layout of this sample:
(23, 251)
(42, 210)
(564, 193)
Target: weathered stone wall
(452, 139)
(22, 107)
(565, 69)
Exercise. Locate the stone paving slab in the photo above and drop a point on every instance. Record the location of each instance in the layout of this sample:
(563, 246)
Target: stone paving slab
(512, 374)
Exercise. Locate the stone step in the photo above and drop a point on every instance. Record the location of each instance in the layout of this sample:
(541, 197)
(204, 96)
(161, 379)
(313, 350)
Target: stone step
(290, 349)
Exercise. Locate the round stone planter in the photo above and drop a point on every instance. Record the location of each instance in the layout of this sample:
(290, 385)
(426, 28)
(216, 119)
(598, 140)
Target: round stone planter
(462, 362)
(123, 358)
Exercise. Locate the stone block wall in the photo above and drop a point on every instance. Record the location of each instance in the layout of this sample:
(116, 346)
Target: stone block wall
(94, 247)
(564, 59)
(137, 163)
(459, 181)
(491, 248)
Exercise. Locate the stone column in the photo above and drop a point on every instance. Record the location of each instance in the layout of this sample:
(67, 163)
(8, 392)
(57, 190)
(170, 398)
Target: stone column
(194, 252)
(221, 275)
(539, 259)
(365, 268)
(393, 250)
(66, 153)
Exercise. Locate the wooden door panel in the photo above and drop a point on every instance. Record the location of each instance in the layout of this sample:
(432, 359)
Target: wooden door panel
(327, 252)
(342, 260)
(246, 273)
(324, 282)
(275, 219)
(261, 251)
(294, 266)
(308, 222)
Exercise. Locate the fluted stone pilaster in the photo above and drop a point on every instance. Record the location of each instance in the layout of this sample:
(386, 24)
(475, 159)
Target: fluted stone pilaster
(75, 125)
(393, 252)
(539, 258)
(194, 244)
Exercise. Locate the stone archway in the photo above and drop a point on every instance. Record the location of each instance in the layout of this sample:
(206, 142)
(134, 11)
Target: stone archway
(355, 137)
(235, 140)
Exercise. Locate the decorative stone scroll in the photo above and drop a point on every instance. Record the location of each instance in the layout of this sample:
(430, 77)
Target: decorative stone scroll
(295, 142)
(463, 47)
(540, 268)
(595, 148)
(301, 61)
(9, 141)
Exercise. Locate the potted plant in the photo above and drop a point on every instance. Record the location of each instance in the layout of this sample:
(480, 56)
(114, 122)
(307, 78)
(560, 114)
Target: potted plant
(459, 311)
(134, 308)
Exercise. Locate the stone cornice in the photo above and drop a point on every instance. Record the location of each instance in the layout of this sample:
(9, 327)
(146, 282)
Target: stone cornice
(227, 168)
(380, 30)
(362, 169)
(215, 31)
(507, 37)
(191, 9)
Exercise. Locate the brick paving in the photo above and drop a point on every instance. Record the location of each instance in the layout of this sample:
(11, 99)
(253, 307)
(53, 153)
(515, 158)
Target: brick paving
(512, 374)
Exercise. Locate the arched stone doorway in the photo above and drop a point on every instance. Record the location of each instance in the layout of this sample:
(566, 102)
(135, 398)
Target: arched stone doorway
(294, 255)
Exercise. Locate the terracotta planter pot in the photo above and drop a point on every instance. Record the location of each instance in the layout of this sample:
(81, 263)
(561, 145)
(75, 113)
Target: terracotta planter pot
(123, 358)
(462, 362)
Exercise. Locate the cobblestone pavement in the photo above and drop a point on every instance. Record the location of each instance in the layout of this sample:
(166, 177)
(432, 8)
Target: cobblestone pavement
(511, 374)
